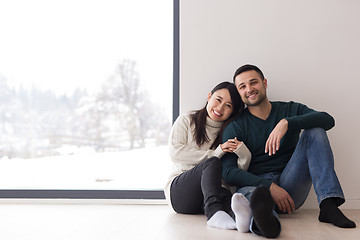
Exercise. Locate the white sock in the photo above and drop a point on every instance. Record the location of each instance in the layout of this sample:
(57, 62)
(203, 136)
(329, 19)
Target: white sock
(222, 220)
(241, 208)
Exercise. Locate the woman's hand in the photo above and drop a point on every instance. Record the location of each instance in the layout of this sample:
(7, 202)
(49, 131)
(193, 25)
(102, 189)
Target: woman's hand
(230, 145)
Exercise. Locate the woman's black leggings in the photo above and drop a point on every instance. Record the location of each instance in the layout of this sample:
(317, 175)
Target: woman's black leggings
(199, 190)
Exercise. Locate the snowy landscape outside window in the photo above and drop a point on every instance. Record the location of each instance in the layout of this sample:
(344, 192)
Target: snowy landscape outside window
(85, 94)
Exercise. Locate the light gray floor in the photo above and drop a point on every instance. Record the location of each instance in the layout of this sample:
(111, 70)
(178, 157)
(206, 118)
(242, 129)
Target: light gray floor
(110, 222)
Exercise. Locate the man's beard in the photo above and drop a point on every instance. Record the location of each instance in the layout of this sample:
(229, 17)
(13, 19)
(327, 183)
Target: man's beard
(260, 100)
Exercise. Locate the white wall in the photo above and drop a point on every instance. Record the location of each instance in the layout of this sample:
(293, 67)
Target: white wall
(308, 50)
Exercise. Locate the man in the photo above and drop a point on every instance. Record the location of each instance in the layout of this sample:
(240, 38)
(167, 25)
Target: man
(283, 164)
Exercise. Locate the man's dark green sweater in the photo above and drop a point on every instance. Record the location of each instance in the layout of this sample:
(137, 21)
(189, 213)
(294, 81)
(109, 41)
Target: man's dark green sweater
(254, 132)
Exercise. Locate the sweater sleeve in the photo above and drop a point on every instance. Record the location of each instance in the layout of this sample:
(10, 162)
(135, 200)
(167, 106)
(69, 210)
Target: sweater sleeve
(232, 174)
(244, 157)
(184, 150)
(306, 118)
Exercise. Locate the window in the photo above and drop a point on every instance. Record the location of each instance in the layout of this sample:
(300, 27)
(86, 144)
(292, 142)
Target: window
(86, 97)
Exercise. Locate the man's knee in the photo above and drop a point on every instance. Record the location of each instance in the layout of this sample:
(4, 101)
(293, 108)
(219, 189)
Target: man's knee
(314, 131)
(317, 133)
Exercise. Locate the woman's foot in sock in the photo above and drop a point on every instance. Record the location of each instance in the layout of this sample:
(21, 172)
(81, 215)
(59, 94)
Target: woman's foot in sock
(222, 220)
(241, 208)
(330, 213)
(262, 204)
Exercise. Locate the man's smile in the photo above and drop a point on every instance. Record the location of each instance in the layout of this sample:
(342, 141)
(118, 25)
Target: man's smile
(252, 95)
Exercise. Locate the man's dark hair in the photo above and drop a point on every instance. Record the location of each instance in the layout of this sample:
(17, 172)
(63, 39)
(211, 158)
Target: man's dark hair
(248, 67)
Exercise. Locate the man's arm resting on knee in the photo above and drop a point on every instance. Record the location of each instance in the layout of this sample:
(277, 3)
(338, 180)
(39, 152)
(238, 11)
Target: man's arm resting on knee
(303, 117)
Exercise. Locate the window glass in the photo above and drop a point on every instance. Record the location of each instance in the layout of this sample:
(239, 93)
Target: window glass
(85, 93)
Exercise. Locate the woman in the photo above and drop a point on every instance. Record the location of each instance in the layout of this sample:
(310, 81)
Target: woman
(195, 185)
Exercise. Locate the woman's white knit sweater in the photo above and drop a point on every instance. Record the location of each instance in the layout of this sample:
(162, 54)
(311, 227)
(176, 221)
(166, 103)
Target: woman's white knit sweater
(185, 153)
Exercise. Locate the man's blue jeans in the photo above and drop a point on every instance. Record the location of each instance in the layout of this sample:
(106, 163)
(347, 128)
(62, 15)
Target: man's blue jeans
(311, 163)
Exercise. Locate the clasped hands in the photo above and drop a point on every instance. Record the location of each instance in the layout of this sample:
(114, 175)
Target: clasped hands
(230, 145)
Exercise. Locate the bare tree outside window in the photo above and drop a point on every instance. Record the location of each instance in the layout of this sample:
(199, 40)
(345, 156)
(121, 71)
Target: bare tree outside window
(121, 116)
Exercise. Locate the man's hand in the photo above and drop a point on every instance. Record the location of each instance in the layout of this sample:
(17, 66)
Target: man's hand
(273, 143)
(282, 198)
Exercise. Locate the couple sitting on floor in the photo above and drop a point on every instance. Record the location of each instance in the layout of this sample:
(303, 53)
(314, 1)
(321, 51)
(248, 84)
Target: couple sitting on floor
(258, 150)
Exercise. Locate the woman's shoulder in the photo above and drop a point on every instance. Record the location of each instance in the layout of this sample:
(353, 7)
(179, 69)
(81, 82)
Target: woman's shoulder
(184, 118)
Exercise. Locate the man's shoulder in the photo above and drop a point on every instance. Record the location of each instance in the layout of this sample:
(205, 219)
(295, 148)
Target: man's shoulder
(283, 104)
(245, 114)
(239, 121)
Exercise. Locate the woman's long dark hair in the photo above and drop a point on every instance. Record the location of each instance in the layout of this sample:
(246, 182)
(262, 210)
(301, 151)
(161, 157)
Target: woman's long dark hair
(198, 118)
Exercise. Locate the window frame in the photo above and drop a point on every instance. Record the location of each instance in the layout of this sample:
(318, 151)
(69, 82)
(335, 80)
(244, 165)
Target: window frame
(111, 194)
